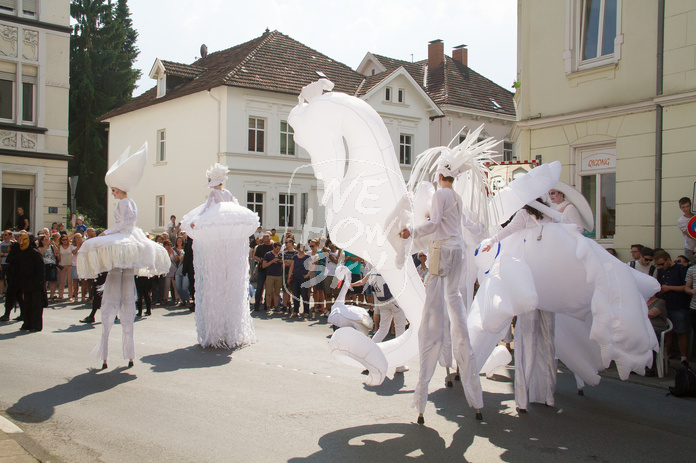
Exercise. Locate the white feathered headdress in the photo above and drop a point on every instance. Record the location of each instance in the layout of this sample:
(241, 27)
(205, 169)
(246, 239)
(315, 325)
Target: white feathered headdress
(466, 161)
(217, 175)
(126, 173)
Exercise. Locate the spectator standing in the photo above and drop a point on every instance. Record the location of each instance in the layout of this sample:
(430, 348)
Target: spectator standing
(262, 249)
(289, 252)
(422, 267)
(179, 278)
(690, 290)
(354, 264)
(258, 233)
(76, 282)
(168, 286)
(173, 229)
(50, 257)
(4, 250)
(189, 272)
(682, 223)
(298, 278)
(273, 264)
(672, 278)
(318, 257)
(65, 267)
(274, 236)
(330, 284)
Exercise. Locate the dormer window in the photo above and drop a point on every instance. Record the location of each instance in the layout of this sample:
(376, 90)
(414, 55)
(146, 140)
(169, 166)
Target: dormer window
(401, 95)
(161, 85)
(388, 94)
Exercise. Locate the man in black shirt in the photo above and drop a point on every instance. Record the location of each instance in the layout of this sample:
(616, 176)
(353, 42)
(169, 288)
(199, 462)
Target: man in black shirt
(261, 250)
(22, 220)
(672, 279)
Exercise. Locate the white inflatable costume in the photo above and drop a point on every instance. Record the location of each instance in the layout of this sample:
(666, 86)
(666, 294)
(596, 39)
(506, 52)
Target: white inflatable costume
(123, 250)
(220, 229)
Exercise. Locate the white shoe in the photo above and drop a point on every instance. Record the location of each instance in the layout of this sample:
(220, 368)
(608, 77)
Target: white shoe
(401, 369)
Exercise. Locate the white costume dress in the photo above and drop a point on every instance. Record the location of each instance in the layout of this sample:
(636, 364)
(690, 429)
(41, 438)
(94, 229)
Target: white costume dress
(442, 293)
(221, 261)
(123, 251)
(535, 355)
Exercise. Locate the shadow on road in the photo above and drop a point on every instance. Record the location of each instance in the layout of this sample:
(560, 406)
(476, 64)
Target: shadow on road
(188, 357)
(390, 387)
(390, 442)
(38, 407)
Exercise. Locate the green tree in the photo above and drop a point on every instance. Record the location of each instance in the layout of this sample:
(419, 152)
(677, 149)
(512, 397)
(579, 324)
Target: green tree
(101, 78)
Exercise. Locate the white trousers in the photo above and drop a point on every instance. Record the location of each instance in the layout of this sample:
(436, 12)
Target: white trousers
(118, 299)
(389, 311)
(442, 298)
(535, 358)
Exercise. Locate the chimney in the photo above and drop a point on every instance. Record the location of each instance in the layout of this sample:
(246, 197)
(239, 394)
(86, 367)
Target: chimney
(461, 54)
(436, 53)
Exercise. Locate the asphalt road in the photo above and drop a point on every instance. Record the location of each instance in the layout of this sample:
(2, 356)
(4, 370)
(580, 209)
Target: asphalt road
(287, 399)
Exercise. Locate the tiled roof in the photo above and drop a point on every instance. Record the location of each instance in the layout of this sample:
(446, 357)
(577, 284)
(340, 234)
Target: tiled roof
(272, 62)
(451, 83)
(186, 71)
(277, 63)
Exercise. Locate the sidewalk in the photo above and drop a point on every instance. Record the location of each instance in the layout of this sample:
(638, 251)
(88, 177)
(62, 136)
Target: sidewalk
(16, 447)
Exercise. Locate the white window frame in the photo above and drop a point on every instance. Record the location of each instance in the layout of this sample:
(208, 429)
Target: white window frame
(405, 149)
(388, 94)
(161, 147)
(18, 8)
(289, 136)
(573, 43)
(161, 85)
(256, 130)
(253, 205)
(508, 150)
(401, 96)
(576, 160)
(17, 99)
(160, 214)
(286, 210)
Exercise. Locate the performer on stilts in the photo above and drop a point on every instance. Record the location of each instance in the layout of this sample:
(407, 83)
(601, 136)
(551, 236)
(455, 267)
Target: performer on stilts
(220, 229)
(442, 293)
(123, 251)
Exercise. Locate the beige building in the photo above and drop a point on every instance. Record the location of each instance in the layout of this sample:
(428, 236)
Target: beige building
(601, 92)
(34, 85)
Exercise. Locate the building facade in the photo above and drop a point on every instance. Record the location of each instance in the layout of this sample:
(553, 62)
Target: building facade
(608, 88)
(232, 107)
(34, 86)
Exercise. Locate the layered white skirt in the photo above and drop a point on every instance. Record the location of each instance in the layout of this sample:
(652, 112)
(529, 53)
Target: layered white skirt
(221, 262)
(125, 250)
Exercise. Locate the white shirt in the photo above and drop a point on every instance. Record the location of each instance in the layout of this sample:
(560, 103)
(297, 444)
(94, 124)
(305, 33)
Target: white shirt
(445, 217)
(642, 268)
(689, 242)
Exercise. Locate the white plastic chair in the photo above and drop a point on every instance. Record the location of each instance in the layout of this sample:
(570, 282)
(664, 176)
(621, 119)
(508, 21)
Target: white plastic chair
(662, 359)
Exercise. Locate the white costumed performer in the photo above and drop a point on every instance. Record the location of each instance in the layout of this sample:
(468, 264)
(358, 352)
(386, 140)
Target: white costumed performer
(220, 229)
(535, 354)
(122, 250)
(442, 293)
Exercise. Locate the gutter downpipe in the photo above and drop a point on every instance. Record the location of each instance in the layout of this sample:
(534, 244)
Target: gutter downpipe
(218, 125)
(659, 122)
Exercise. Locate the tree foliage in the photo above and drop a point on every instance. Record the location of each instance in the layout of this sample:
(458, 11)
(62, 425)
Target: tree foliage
(102, 77)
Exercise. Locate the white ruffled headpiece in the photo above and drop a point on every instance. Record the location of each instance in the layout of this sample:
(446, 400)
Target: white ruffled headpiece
(126, 173)
(217, 174)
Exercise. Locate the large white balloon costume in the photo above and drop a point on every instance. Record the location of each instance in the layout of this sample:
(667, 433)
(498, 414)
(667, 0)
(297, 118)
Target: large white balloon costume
(363, 201)
(599, 302)
(123, 250)
(220, 229)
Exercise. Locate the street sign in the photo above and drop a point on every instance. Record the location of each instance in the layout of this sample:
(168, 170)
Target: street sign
(691, 227)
